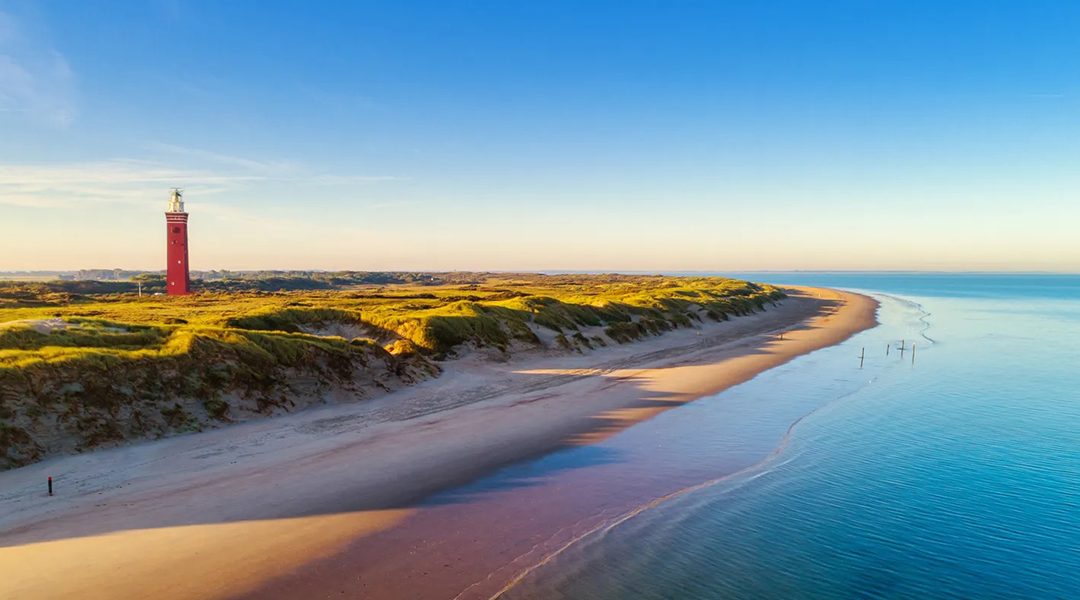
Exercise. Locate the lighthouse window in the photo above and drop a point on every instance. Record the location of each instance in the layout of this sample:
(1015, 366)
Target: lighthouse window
(176, 230)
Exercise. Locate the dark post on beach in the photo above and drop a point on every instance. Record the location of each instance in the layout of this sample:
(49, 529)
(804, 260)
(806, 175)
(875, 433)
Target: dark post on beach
(50, 485)
(862, 356)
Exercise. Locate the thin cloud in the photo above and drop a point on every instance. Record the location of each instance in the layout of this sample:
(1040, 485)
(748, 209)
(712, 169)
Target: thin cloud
(341, 179)
(110, 182)
(233, 214)
(283, 171)
(136, 182)
(36, 80)
(222, 159)
(391, 204)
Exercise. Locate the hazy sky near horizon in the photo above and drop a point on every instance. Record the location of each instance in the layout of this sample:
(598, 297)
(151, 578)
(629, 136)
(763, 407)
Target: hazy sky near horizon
(542, 135)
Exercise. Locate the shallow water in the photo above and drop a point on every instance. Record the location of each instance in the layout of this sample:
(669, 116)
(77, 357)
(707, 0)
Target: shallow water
(955, 476)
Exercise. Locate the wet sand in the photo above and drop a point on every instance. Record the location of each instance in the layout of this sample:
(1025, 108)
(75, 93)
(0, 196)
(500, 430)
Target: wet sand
(329, 502)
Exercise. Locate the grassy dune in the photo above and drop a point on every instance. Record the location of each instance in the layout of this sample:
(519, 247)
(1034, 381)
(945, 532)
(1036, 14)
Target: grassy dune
(82, 371)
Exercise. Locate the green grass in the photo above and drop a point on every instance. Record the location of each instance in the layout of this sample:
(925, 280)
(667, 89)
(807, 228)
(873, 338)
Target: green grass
(435, 320)
(117, 366)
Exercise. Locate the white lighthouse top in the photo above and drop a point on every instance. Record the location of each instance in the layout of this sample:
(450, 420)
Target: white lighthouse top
(176, 202)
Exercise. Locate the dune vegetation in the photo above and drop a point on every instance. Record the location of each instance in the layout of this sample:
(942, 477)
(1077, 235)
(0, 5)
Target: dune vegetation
(79, 371)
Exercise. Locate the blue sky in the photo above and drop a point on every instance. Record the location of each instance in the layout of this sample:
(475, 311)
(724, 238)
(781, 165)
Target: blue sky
(542, 135)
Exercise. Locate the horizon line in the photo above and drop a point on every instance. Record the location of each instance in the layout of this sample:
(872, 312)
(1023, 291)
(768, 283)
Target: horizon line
(670, 272)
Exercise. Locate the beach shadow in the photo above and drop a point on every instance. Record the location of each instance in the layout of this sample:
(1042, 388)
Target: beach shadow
(525, 474)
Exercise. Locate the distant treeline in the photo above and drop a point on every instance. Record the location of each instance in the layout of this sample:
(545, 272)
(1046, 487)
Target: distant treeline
(229, 281)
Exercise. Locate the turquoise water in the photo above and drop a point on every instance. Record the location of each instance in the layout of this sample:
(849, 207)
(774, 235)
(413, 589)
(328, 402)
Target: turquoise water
(956, 476)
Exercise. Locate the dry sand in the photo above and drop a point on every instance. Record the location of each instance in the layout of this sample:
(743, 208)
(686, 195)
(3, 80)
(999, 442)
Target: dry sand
(276, 507)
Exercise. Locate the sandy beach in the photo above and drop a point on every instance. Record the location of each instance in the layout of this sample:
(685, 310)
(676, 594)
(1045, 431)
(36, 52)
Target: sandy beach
(326, 502)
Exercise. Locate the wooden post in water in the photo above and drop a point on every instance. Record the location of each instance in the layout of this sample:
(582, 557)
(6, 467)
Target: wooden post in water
(913, 353)
(50, 485)
(887, 348)
(902, 348)
(862, 356)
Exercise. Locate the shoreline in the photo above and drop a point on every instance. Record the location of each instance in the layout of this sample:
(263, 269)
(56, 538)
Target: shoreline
(273, 507)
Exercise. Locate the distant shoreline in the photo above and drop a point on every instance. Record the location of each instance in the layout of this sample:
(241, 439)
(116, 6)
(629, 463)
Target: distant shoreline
(281, 507)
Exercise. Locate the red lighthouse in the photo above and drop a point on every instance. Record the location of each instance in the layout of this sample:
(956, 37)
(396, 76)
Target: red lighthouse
(176, 272)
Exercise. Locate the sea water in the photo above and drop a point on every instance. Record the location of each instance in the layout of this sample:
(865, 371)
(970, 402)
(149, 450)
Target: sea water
(951, 474)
